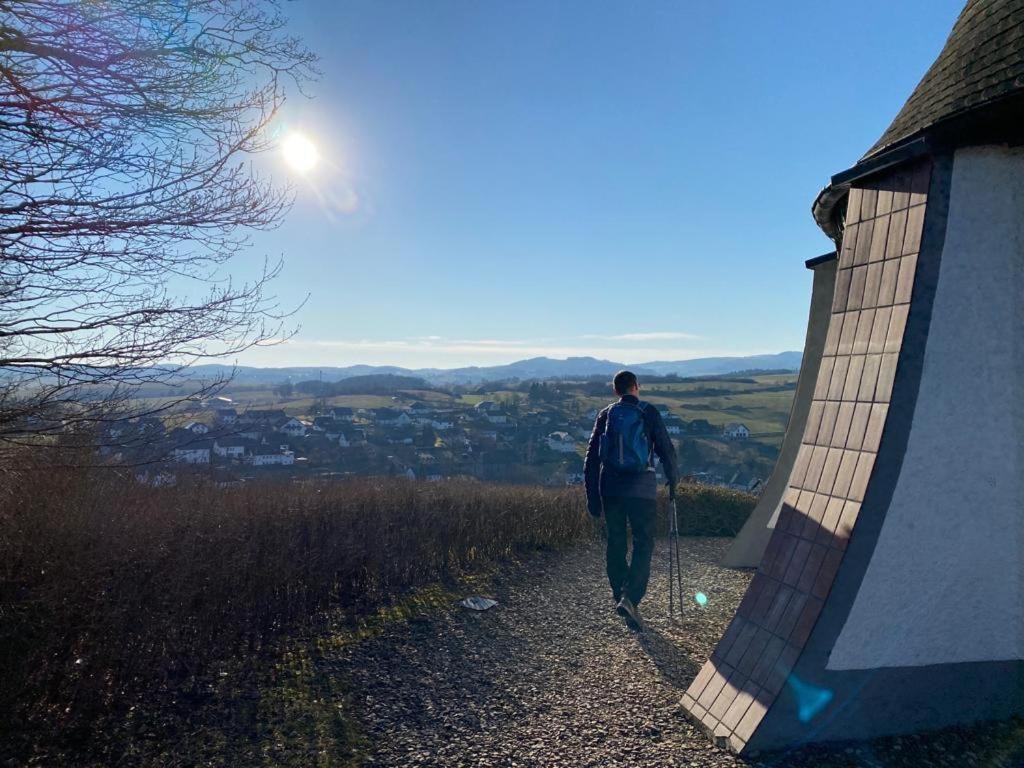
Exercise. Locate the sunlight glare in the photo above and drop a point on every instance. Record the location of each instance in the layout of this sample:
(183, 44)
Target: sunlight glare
(299, 152)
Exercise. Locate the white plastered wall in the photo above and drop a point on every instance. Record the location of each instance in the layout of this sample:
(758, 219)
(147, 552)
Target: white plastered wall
(945, 583)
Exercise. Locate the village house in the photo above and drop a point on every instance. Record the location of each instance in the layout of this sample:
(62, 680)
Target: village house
(197, 428)
(195, 453)
(283, 458)
(340, 414)
(324, 423)
(263, 416)
(225, 415)
(561, 442)
(496, 416)
(250, 432)
(292, 427)
(390, 417)
(736, 431)
(674, 425)
(232, 447)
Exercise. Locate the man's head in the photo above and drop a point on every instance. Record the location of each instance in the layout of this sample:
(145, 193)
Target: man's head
(625, 383)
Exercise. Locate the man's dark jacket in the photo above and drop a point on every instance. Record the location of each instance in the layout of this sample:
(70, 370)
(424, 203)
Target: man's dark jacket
(604, 481)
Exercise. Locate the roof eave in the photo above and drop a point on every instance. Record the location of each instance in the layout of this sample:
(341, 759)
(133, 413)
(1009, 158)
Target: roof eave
(828, 200)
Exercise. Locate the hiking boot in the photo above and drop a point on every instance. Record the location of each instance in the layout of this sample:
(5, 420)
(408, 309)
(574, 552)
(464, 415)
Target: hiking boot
(630, 613)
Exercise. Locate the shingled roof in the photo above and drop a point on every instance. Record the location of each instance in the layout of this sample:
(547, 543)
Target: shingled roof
(981, 63)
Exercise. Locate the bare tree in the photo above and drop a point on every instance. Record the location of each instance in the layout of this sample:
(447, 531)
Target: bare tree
(126, 130)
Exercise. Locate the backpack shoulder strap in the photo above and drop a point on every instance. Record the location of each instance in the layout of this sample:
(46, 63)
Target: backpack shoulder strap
(643, 406)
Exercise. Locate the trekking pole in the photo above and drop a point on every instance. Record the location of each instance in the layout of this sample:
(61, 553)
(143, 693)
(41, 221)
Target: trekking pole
(674, 574)
(678, 558)
(671, 564)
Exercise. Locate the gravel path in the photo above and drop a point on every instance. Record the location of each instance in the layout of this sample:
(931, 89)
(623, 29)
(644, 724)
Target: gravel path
(552, 677)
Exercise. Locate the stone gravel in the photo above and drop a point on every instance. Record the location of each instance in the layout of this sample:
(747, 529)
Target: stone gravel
(552, 677)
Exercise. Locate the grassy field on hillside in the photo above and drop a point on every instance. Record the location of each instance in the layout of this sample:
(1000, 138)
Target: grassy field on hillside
(761, 402)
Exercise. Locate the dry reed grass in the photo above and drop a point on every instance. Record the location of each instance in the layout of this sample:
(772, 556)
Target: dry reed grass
(109, 588)
(111, 591)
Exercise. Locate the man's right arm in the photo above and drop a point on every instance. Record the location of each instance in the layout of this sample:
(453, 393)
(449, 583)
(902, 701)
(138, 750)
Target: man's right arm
(592, 466)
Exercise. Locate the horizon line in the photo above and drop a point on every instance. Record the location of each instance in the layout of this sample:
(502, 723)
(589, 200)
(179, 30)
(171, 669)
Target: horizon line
(313, 366)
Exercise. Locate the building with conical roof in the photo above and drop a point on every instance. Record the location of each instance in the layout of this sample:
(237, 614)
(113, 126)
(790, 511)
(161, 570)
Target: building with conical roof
(890, 594)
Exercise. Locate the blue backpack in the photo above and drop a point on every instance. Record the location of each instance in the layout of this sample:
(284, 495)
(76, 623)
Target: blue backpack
(624, 445)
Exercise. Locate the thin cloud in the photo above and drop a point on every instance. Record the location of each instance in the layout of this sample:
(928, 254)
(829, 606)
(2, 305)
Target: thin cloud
(648, 336)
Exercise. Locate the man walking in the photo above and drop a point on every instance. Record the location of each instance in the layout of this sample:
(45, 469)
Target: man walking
(621, 482)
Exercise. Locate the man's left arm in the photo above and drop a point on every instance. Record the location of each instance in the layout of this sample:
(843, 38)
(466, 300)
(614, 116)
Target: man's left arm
(665, 450)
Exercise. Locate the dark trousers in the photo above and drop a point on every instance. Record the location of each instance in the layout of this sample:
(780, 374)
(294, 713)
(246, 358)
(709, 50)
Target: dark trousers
(630, 578)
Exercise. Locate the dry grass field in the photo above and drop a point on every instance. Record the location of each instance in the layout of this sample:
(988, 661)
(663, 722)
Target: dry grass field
(113, 592)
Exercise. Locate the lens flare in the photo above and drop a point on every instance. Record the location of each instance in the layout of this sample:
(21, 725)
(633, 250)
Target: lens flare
(811, 699)
(299, 152)
(701, 599)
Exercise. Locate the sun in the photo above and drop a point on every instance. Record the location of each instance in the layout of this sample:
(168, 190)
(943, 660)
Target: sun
(299, 152)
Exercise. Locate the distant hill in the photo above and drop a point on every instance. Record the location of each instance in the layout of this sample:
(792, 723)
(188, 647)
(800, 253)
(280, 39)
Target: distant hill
(534, 368)
(366, 384)
(712, 366)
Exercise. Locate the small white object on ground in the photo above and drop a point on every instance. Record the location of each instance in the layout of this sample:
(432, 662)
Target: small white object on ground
(478, 603)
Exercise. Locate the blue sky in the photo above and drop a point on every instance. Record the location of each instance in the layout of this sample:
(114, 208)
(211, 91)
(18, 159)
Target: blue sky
(633, 181)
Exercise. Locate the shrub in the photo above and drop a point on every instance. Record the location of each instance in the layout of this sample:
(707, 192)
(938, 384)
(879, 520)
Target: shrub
(707, 510)
(109, 588)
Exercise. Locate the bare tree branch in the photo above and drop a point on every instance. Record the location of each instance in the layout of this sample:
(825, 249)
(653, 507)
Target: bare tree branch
(125, 189)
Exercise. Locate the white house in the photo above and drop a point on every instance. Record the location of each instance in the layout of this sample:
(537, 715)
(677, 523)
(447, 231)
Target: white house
(283, 459)
(561, 442)
(293, 427)
(441, 424)
(341, 414)
(197, 428)
(191, 455)
(229, 448)
(389, 417)
(674, 425)
(736, 431)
